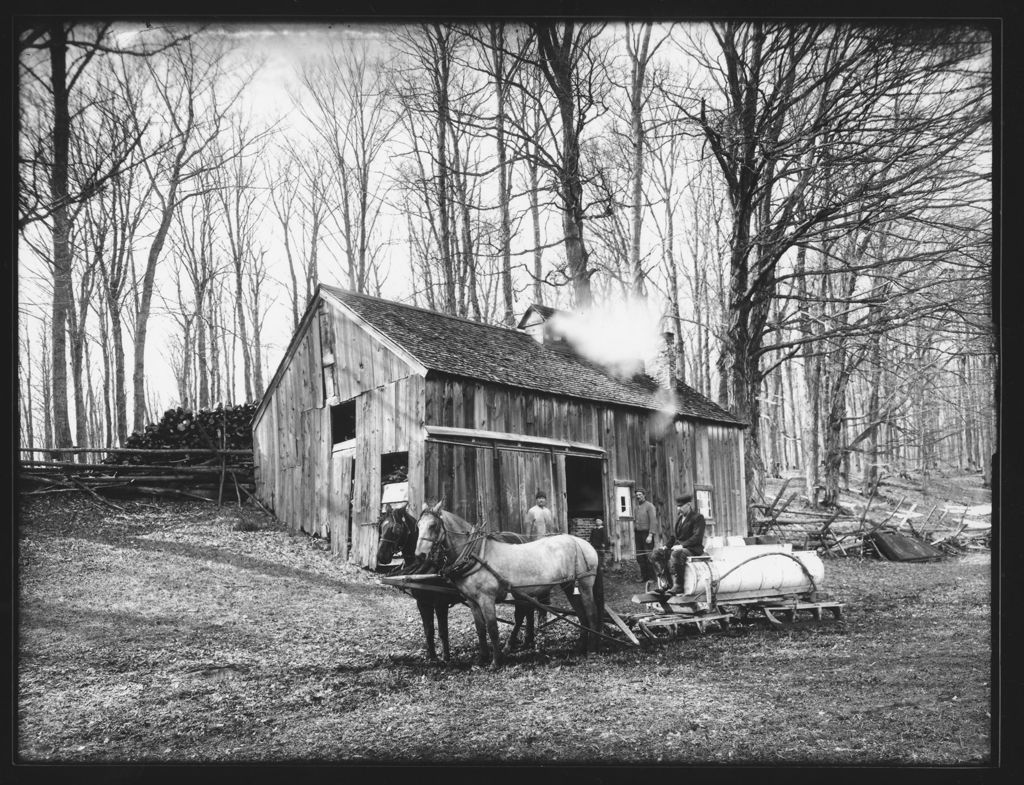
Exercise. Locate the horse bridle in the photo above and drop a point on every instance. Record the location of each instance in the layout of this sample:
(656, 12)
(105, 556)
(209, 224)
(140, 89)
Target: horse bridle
(380, 521)
(433, 556)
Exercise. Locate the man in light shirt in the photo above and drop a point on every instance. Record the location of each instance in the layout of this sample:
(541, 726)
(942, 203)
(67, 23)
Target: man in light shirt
(539, 520)
(645, 525)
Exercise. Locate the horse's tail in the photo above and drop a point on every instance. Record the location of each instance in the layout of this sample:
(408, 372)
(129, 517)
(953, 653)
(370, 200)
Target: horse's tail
(599, 589)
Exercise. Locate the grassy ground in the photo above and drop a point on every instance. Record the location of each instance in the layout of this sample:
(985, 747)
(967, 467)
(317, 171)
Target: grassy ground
(162, 635)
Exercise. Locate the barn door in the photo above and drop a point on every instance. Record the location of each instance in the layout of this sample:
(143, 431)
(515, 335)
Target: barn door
(342, 474)
(520, 474)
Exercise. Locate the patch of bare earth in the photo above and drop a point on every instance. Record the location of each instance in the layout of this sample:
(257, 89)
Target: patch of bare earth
(160, 634)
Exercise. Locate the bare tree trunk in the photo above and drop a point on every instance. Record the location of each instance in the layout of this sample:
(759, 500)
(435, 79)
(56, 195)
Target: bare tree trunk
(639, 58)
(95, 429)
(498, 72)
(243, 333)
(812, 386)
(76, 319)
(216, 387)
(538, 279)
(559, 65)
(145, 302)
(256, 281)
(441, 77)
(46, 379)
(109, 428)
(669, 263)
(25, 393)
(796, 420)
(62, 284)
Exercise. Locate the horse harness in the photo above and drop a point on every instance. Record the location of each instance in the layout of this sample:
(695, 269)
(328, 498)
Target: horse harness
(469, 560)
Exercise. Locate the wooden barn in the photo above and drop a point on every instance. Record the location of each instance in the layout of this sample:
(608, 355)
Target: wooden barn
(379, 400)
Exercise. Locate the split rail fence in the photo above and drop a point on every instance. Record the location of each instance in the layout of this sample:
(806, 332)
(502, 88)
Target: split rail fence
(210, 474)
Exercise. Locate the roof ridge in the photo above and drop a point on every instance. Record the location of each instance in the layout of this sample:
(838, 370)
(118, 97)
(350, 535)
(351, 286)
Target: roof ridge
(350, 293)
(500, 346)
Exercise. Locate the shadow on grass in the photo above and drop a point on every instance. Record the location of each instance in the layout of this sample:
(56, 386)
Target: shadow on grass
(224, 556)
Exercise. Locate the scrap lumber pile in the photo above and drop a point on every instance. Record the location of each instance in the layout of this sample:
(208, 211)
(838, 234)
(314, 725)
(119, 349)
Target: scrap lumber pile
(951, 530)
(973, 532)
(204, 454)
(829, 531)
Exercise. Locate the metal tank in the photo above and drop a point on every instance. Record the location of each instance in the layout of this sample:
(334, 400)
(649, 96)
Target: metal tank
(753, 571)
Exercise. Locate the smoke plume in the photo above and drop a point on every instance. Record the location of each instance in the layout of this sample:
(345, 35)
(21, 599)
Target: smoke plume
(619, 335)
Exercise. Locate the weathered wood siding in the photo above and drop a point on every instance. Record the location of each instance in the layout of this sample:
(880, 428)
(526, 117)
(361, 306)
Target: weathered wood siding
(463, 403)
(666, 458)
(309, 487)
(388, 419)
(314, 489)
(722, 468)
(493, 486)
(291, 437)
(360, 363)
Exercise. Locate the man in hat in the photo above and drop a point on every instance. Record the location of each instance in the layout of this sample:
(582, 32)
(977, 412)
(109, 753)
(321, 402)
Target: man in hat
(539, 520)
(645, 525)
(686, 538)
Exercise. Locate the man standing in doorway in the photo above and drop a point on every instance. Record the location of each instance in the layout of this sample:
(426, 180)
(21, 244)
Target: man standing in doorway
(645, 524)
(539, 520)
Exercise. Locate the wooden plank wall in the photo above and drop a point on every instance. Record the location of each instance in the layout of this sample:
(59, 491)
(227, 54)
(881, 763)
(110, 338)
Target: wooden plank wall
(310, 488)
(491, 486)
(293, 435)
(360, 362)
(388, 419)
(725, 467)
(667, 462)
(461, 403)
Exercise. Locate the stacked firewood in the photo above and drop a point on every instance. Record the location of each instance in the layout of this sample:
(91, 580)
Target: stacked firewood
(222, 428)
(204, 454)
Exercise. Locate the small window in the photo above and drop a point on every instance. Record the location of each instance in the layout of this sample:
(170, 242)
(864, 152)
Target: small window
(704, 505)
(624, 501)
(394, 467)
(343, 422)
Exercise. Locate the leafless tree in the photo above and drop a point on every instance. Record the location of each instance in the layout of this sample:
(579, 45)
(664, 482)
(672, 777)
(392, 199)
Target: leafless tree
(300, 195)
(792, 110)
(349, 116)
(55, 57)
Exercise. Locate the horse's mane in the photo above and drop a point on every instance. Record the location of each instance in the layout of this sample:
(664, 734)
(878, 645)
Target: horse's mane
(459, 525)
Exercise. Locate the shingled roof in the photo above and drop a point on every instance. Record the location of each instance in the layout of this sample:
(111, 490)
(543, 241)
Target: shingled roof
(489, 353)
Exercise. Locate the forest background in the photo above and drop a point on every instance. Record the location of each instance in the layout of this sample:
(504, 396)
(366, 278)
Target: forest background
(797, 218)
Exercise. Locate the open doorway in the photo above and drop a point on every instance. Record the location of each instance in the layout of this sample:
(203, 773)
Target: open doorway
(584, 494)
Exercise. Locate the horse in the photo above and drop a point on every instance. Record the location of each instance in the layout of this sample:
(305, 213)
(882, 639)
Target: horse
(484, 569)
(398, 533)
(659, 558)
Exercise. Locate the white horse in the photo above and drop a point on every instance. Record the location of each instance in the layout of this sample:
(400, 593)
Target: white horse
(484, 569)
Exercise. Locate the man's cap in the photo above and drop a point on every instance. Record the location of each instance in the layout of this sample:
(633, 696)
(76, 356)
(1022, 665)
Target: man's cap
(640, 490)
(684, 498)
(540, 495)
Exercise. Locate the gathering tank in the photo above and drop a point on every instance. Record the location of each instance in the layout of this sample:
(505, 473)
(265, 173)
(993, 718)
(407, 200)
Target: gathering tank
(749, 572)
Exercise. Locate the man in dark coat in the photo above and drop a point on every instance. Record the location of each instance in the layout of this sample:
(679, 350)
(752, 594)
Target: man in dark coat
(686, 539)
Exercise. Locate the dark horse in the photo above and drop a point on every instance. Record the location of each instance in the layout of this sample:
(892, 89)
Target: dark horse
(485, 570)
(398, 534)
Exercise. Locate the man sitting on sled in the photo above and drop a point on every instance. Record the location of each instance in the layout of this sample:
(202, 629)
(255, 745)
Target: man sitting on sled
(686, 539)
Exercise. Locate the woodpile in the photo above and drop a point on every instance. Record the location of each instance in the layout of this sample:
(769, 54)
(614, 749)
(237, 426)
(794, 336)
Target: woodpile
(193, 433)
(204, 454)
